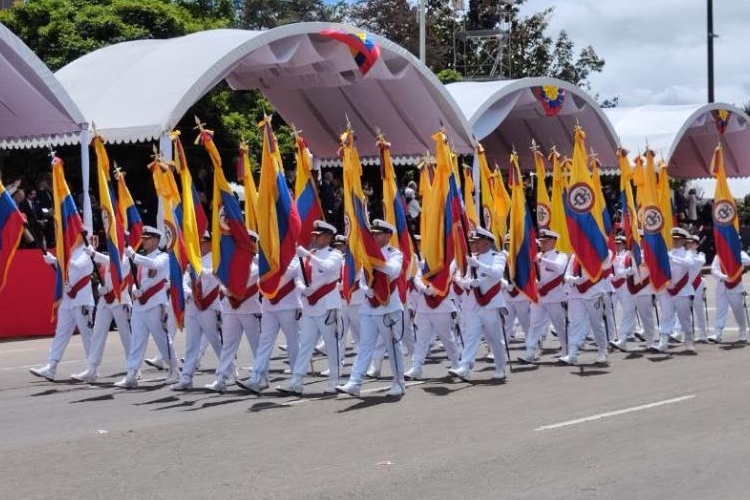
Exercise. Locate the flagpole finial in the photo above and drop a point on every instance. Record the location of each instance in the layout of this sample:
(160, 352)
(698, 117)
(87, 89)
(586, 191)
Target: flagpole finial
(52, 153)
(93, 128)
(348, 122)
(534, 146)
(198, 124)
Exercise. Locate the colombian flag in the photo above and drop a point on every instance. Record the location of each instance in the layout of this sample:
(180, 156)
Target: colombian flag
(469, 203)
(460, 225)
(502, 201)
(365, 251)
(665, 201)
(11, 230)
(604, 220)
(190, 211)
(543, 205)
(395, 211)
(113, 229)
(129, 215)
(726, 224)
(279, 227)
(490, 219)
(629, 217)
(522, 251)
(68, 225)
(305, 192)
(230, 244)
(586, 236)
(245, 175)
(558, 222)
(653, 219)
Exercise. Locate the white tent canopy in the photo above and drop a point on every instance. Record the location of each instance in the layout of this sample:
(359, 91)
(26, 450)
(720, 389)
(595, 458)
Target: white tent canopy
(137, 91)
(686, 135)
(35, 110)
(507, 114)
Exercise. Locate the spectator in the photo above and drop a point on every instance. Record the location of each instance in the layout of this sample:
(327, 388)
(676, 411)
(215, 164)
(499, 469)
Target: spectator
(327, 199)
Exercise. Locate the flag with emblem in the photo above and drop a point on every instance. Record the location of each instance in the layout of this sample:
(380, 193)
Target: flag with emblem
(522, 249)
(490, 219)
(501, 198)
(543, 205)
(11, 229)
(231, 247)
(665, 199)
(600, 212)
(726, 223)
(245, 176)
(279, 228)
(131, 219)
(558, 221)
(655, 249)
(68, 226)
(363, 47)
(305, 191)
(586, 236)
(629, 218)
(111, 219)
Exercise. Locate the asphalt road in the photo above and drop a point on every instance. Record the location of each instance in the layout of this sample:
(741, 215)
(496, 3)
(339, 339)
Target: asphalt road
(647, 426)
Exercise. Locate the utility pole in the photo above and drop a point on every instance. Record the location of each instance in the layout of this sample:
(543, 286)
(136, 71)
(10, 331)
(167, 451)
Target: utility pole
(423, 32)
(710, 31)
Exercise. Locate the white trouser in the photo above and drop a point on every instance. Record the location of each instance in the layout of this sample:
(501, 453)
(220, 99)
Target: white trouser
(104, 316)
(410, 332)
(352, 323)
(586, 315)
(483, 323)
(641, 305)
(699, 313)
(388, 327)
(428, 326)
(609, 313)
(67, 321)
(153, 321)
(520, 309)
(171, 327)
(270, 323)
(723, 302)
(231, 329)
(197, 325)
(310, 329)
(542, 314)
(679, 305)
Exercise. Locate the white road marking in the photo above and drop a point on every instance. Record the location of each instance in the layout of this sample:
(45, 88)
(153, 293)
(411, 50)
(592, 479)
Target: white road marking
(615, 413)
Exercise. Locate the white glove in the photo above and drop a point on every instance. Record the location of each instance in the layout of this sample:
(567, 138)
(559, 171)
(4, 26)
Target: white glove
(472, 261)
(137, 292)
(302, 252)
(474, 283)
(67, 288)
(429, 291)
(89, 250)
(299, 286)
(101, 290)
(129, 252)
(307, 291)
(723, 277)
(50, 259)
(370, 293)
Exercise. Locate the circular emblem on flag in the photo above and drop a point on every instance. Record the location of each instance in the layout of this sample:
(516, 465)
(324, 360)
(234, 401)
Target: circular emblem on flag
(347, 226)
(543, 216)
(487, 216)
(581, 197)
(653, 220)
(106, 219)
(225, 229)
(724, 212)
(169, 234)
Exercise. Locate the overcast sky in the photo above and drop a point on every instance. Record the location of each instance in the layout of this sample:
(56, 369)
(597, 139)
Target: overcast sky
(655, 50)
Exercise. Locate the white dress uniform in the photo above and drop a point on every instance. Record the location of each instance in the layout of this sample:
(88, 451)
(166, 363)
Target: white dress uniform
(699, 295)
(279, 313)
(676, 299)
(637, 298)
(586, 310)
(434, 317)
(321, 317)
(386, 321)
(149, 315)
(517, 304)
(553, 296)
(351, 310)
(75, 310)
(202, 317)
(729, 293)
(238, 315)
(109, 308)
(482, 314)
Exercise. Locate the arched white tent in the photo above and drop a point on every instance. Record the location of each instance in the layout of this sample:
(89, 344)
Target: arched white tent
(139, 90)
(508, 114)
(35, 110)
(686, 135)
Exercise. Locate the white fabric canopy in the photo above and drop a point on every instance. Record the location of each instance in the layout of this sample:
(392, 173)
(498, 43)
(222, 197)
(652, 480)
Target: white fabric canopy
(35, 110)
(685, 136)
(136, 91)
(506, 114)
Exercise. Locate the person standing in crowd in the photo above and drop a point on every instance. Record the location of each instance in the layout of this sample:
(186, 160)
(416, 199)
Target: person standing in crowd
(150, 303)
(321, 308)
(384, 321)
(76, 310)
(729, 293)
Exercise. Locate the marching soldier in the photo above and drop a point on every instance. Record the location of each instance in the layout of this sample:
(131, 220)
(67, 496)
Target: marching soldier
(483, 306)
(551, 265)
(150, 304)
(76, 309)
(384, 320)
(699, 289)
(729, 293)
(108, 308)
(238, 314)
(202, 313)
(676, 299)
(321, 308)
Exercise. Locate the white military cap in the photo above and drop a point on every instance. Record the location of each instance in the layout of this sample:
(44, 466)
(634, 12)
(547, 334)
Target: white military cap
(479, 233)
(339, 239)
(149, 231)
(620, 239)
(321, 226)
(381, 226)
(547, 234)
(678, 232)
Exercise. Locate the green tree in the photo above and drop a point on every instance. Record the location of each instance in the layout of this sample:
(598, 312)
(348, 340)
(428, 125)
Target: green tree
(266, 14)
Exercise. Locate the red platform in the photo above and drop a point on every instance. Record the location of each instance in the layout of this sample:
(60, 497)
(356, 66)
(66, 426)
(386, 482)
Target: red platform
(26, 300)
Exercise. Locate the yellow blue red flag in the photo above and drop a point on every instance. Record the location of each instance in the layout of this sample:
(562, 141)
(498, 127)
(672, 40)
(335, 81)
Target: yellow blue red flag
(11, 230)
(189, 211)
(245, 175)
(68, 225)
(305, 191)
(543, 204)
(629, 214)
(726, 223)
(522, 250)
(558, 221)
(131, 219)
(653, 219)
